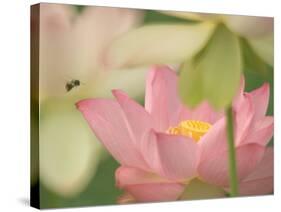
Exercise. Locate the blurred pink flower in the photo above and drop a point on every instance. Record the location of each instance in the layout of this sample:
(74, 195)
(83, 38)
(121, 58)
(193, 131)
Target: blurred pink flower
(72, 47)
(164, 147)
(72, 44)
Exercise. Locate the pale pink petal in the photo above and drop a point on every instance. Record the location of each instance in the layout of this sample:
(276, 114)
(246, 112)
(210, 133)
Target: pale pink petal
(243, 118)
(264, 168)
(214, 168)
(256, 187)
(214, 141)
(56, 52)
(204, 112)
(106, 119)
(243, 112)
(178, 155)
(161, 97)
(55, 19)
(171, 156)
(260, 98)
(130, 176)
(146, 186)
(155, 192)
(96, 28)
(109, 22)
(261, 132)
(149, 149)
(137, 118)
(260, 181)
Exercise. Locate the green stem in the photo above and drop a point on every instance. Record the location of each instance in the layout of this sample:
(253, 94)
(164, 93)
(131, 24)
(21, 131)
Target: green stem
(231, 154)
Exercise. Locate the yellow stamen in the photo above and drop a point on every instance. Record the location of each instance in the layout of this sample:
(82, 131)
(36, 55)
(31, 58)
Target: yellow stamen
(191, 128)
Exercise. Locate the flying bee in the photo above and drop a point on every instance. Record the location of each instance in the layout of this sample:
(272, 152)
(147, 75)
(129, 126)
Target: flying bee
(72, 84)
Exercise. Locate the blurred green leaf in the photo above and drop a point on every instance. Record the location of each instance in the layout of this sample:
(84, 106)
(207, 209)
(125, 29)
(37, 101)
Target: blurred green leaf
(197, 189)
(214, 73)
(152, 17)
(100, 191)
(80, 8)
(252, 61)
(191, 84)
(264, 47)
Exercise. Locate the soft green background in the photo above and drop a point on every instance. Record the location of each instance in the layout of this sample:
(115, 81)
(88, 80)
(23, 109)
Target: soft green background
(102, 190)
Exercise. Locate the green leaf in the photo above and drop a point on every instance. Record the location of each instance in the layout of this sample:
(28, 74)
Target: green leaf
(191, 93)
(252, 61)
(214, 73)
(264, 47)
(197, 189)
(100, 191)
(164, 17)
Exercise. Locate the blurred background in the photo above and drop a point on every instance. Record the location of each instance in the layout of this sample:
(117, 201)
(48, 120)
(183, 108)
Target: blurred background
(75, 170)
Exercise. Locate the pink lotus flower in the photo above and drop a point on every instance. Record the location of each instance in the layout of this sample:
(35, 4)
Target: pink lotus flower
(166, 148)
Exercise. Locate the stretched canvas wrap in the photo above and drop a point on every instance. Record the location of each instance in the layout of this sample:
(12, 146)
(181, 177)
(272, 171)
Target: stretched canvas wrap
(131, 106)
